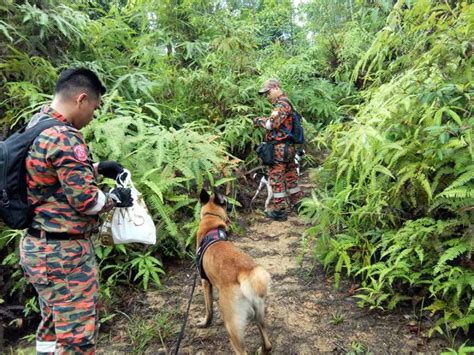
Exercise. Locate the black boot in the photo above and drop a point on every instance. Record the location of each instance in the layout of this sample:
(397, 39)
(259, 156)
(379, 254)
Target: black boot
(277, 215)
(297, 206)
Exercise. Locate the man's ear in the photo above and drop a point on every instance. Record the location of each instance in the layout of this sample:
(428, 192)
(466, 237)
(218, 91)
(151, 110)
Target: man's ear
(218, 197)
(81, 98)
(204, 197)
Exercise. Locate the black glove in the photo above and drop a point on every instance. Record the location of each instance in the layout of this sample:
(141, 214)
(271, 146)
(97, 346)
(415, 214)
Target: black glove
(122, 197)
(109, 168)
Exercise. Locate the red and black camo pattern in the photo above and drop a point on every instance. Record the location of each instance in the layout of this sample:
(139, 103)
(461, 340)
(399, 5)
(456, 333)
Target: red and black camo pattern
(45, 330)
(281, 116)
(64, 274)
(283, 175)
(53, 167)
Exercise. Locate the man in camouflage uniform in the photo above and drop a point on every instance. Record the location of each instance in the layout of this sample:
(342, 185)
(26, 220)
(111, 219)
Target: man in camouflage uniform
(283, 175)
(56, 253)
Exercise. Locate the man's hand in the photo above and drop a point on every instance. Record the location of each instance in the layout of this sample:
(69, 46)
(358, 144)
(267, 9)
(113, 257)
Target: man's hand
(122, 197)
(109, 168)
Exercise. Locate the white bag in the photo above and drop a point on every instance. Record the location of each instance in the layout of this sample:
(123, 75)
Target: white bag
(132, 224)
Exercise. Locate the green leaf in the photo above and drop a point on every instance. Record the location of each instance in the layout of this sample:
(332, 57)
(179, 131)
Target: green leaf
(454, 116)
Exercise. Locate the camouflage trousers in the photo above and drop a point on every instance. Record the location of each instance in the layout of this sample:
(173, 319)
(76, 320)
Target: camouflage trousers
(284, 178)
(64, 273)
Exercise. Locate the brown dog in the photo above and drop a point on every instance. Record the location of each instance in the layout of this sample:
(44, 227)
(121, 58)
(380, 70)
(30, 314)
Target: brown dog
(242, 284)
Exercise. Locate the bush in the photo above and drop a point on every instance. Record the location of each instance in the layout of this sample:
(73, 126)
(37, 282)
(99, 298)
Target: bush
(395, 208)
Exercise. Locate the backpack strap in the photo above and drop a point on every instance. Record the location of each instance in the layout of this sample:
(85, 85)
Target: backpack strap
(288, 133)
(295, 124)
(288, 102)
(41, 125)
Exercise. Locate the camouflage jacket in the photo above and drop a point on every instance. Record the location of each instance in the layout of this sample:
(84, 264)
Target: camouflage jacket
(281, 117)
(58, 166)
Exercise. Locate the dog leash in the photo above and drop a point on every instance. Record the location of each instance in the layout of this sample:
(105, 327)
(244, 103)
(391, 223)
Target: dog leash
(183, 327)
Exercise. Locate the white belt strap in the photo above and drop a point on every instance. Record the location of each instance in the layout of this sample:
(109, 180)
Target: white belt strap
(279, 194)
(294, 190)
(45, 346)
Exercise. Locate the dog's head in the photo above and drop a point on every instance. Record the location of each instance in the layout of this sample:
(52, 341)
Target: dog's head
(215, 205)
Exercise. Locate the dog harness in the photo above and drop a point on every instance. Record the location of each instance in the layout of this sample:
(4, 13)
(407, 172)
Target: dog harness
(213, 236)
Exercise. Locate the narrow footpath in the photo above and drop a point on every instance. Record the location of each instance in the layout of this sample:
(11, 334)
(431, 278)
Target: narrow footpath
(305, 313)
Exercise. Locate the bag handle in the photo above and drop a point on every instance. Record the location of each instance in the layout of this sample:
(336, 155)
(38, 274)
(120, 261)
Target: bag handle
(124, 179)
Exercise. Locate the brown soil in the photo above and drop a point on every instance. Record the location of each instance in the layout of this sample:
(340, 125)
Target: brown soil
(305, 314)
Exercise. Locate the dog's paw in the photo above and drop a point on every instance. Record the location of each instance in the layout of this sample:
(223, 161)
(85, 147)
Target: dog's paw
(262, 351)
(204, 323)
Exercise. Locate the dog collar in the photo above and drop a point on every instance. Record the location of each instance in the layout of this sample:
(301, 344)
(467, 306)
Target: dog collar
(212, 236)
(226, 220)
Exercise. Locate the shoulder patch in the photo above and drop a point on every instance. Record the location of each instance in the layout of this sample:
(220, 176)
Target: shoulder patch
(80, 152)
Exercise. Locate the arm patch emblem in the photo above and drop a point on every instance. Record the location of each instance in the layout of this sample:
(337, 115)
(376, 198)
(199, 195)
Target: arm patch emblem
(80, 152)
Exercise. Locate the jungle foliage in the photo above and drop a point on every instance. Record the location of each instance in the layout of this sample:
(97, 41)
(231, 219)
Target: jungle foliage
(385, 87)
(182, 78)
(395, 202)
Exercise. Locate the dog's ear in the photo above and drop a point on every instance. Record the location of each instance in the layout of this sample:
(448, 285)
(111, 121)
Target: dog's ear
(204, 197)
(219, 198)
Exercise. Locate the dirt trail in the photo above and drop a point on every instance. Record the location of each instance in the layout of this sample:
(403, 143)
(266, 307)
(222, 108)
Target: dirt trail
(305, 314)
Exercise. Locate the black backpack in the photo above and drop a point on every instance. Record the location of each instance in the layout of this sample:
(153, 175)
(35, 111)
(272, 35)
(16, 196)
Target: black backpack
(296, 135)
(266, 152)
(15, 210)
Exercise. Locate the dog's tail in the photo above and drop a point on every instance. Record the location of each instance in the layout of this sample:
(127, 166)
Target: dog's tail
(255, 286)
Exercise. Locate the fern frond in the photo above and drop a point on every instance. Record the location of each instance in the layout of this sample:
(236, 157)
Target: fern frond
(458, 193)
(463, 322)
(448, 255)
(462, 179)
(421, 178)
(165, 213)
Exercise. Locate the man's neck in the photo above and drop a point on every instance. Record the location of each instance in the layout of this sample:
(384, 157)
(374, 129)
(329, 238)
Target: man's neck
(279, 97)
(62, 109)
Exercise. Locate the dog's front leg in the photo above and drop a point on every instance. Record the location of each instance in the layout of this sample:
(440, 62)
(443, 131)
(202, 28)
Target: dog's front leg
(269, 193)
(207, 289)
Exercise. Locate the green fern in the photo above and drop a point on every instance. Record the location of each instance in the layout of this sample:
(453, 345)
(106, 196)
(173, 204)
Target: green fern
(458, 193)
(448, 255)
(462, 179)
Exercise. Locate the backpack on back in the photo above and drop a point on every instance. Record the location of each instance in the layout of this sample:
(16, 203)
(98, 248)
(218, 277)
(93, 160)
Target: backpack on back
(15, 210)
(296, 135)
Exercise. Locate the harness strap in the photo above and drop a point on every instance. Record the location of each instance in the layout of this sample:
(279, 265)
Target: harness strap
(213, 236)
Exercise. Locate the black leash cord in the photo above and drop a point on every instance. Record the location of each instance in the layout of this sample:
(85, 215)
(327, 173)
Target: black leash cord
(181, 334)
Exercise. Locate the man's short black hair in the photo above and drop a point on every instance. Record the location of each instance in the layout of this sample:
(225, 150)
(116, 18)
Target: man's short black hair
(79, 78)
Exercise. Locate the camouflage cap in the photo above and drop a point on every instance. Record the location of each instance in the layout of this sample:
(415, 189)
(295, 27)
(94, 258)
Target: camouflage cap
(268, 85)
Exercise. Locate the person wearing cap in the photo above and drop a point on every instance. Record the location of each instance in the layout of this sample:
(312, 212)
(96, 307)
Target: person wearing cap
(283, 175)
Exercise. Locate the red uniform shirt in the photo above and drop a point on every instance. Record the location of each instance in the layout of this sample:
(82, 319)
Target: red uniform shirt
(280, 120)
(58, 166)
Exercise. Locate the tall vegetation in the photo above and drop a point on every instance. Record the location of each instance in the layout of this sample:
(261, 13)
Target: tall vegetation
(182, 78)
(385, 87)
(395, 206)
